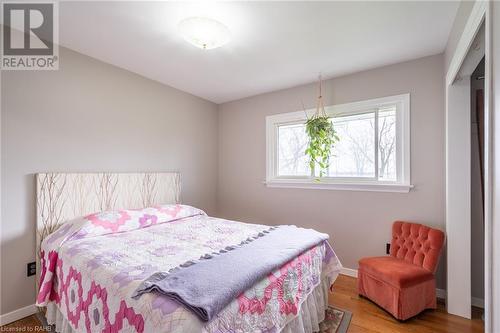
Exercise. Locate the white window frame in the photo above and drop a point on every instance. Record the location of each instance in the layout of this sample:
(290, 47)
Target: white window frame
(402, 184)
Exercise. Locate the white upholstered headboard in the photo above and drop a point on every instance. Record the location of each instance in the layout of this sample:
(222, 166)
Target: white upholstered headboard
(63, 196)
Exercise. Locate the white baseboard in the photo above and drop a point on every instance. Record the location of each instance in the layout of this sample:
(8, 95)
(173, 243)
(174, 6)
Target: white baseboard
(441, 293)
(477, 302)
(349, 272)
(18, 314)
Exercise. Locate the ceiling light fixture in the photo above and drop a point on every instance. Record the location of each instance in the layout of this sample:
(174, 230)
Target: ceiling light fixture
(204, 32)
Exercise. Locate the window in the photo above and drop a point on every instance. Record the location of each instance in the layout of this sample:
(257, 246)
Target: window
(373, 152)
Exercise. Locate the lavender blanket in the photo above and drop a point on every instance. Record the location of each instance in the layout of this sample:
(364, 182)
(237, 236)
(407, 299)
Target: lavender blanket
(207, 286)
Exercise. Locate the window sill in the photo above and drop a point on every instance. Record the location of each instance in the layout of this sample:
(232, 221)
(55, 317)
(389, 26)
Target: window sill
(366, 187)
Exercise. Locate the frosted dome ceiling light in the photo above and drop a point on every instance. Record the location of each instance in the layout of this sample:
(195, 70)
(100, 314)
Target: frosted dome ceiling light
(204, 32)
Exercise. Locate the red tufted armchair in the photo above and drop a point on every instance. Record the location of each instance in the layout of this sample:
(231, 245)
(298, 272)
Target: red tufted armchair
(404, 283)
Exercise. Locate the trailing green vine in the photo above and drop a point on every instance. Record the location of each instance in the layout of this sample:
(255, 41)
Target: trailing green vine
(322, 137)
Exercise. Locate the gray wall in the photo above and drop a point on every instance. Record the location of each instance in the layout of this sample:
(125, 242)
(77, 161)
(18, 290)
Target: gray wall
(359, 223)
(91, 116)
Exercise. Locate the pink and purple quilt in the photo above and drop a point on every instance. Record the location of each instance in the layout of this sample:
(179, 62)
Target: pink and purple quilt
(92, 265)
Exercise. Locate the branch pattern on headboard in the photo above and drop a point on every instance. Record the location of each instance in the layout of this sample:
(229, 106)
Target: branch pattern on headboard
(63, 196)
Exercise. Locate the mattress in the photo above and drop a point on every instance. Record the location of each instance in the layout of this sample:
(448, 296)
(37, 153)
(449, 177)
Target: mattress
(92, 266)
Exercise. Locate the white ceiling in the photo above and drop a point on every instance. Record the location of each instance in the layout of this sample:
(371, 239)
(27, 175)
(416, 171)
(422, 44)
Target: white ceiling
(275, 45)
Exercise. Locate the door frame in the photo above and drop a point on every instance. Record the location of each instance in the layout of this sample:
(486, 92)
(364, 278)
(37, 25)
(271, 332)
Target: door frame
(458, 232)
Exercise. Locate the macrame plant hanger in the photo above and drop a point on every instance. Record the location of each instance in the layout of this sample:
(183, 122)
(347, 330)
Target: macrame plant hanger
(320, 107)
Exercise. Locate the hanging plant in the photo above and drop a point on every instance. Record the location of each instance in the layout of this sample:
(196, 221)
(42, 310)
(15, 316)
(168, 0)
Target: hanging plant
(322, 137)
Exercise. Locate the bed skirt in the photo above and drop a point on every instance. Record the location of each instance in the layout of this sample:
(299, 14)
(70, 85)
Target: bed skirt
(310, 314)
(312, 310)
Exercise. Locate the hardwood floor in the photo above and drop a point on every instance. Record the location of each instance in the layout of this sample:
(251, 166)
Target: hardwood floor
(367, 317)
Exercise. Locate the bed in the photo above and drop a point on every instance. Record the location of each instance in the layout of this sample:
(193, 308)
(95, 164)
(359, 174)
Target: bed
(94, 254)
